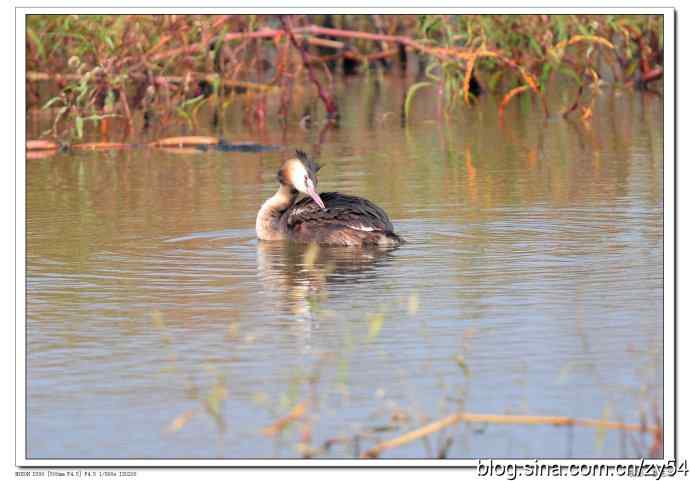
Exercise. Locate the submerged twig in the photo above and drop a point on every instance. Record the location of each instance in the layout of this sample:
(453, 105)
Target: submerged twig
(278, 426)
(507, 98)
(575, 103)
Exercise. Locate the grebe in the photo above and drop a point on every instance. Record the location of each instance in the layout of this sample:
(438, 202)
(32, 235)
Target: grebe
(327, 219)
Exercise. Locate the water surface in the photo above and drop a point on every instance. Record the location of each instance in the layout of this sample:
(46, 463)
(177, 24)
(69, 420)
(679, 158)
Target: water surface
(531, 283)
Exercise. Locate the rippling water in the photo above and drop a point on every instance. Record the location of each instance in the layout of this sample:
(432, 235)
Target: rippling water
(531, 283)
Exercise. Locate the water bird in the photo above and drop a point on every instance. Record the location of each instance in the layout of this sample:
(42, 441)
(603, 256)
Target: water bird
(329, 218)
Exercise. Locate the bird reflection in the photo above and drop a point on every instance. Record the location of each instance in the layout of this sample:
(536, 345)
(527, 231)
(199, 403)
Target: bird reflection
(302, 275)
(286, 265)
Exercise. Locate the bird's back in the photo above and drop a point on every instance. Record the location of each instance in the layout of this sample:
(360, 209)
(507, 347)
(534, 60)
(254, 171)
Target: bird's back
(347, 220)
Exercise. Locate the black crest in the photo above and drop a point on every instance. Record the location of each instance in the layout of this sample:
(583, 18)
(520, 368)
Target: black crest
(311, 166)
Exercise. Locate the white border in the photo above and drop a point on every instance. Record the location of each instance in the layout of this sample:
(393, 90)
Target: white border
(20, 176)
(669, 289)
(669, 240)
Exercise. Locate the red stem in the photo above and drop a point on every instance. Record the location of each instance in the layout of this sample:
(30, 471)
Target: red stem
(329, 103)
(653, 74)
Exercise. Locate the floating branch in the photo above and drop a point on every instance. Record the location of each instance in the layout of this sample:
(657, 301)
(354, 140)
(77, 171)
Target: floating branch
(185, 141)
(196, 143)
(159, 79)
(501, 419)
(101, 146)
(42, 145)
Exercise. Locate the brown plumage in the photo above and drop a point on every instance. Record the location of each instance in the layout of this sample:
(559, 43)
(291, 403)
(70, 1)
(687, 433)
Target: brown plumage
(328, 219)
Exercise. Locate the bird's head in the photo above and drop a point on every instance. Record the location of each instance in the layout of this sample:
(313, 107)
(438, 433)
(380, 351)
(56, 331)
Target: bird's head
(300, 173)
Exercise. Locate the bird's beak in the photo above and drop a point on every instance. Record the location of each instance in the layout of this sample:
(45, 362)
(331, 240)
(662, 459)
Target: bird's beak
(313, 194)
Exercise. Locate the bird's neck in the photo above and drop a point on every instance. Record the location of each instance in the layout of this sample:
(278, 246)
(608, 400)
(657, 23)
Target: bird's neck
(268, 219)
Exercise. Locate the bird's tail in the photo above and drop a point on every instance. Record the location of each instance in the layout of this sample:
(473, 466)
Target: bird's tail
(390, 239)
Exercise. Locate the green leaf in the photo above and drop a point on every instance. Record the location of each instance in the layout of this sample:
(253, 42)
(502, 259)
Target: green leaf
(218, 45)
(601, 431)
(535, 46)
(198, 105)
(109, 100)
(50, 102)
(429, 23)
(96, 118)
(36, 39)
(494, 79)
(190, 102)
(79, 126)
(460, 360)
(58, 117)
(182, 113)
(583, 29)
(84, 91)
(561, 28)
(546, 72)
(568, 72)
(411, 93)
(216, 84)
(630, 70)
(375, 325)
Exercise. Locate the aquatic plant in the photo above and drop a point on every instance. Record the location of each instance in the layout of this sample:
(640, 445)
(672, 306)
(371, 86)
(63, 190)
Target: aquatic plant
(138, 68)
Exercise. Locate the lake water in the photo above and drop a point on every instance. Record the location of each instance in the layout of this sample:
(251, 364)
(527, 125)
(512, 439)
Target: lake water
(531, 283)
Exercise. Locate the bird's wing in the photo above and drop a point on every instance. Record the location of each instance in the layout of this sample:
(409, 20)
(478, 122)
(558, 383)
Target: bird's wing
(341, 210)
